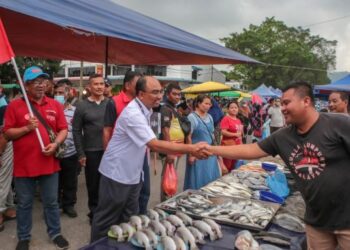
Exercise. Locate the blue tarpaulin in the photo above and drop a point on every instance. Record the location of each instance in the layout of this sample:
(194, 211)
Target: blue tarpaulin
(86, 29)
(342, 84)
(264, 91)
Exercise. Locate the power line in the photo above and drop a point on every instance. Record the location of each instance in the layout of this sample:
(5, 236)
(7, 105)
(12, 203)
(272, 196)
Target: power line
(326, 21)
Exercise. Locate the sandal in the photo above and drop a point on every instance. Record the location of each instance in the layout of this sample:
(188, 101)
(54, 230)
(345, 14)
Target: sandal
(12, 215)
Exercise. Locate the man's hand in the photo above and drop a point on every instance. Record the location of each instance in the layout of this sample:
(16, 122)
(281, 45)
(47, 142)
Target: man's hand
(82, 161)
(33, 123)
(50, 149)
(170, 159)
(200, 150)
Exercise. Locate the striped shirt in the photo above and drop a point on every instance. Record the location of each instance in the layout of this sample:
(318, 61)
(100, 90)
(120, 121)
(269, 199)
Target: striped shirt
(70, 147)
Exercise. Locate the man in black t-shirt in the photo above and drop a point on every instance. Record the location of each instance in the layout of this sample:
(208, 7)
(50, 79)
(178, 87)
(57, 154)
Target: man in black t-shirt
(316, 148)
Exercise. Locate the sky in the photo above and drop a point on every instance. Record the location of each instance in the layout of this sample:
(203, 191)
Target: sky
(214, 19)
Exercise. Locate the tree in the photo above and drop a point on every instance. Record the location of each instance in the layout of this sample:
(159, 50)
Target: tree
(274, 43)
(8, 75)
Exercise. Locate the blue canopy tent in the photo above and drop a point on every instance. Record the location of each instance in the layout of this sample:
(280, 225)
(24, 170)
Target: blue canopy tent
(342, 84)
(264, 91)
(103, 31)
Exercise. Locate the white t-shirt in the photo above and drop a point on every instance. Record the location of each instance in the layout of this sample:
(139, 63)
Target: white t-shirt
(125, 153)
(277, 119)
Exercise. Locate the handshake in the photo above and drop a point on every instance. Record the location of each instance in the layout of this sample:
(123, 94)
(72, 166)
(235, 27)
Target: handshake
(201, 150)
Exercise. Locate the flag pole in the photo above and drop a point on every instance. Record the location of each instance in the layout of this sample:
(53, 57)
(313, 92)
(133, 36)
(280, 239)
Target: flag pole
(13, 61)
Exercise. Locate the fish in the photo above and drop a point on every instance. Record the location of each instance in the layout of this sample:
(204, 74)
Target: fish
(198, 235)
(214, 226)
(153, 215)
(136, 222)
(161, 213)
(180, 244)
(153, 239)
(117, 231)
(272, 237)
(205, 229)
(187, 237)
(168, 243)
(145, 220)
(128, 230)
(142, 239)
(170, 228)
(158, 227)
(176, 221)
(184, 217)
(269, 247)
(289, 222)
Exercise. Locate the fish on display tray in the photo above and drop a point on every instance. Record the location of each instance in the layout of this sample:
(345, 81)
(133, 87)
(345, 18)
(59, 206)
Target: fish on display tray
(250, 214)
(289, 222)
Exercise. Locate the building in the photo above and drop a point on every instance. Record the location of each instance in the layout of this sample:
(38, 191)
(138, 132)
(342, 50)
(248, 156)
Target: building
(185, 75)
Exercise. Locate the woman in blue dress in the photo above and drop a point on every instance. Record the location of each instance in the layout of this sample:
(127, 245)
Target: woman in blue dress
(201, 172)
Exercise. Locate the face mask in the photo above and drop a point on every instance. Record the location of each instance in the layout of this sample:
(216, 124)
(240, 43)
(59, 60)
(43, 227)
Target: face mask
(60, 99)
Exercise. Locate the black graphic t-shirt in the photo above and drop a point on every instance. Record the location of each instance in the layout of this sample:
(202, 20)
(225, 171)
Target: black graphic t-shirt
(320, 163)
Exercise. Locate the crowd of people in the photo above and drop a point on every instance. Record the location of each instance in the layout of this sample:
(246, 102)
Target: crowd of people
(110, 137)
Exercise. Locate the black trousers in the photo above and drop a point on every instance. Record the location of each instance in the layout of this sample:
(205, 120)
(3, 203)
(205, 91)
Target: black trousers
(117, 202)
(146, 188)
(92, 178)
(68, 181)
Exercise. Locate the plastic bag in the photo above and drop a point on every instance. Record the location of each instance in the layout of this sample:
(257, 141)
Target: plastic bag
(244, 241)
(278, 183)
(169, 182)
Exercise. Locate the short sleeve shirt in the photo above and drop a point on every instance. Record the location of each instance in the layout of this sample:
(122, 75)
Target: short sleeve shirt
(125, 153)
(29, 161)
(114, 108)
(233, 126)
(320, 163)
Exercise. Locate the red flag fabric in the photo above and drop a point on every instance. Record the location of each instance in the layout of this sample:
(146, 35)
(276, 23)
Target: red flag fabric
(6, 51)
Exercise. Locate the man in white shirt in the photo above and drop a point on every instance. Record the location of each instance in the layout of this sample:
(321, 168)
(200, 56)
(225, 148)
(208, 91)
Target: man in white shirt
(122, 163)
(276, 116)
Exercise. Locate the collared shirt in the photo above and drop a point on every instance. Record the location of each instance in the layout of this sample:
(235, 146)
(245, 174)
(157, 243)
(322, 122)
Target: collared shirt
(125, 153)
(70, 147)
(29, 161)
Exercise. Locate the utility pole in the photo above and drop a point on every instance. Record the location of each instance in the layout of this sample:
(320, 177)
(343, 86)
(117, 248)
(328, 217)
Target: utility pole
(212, 70)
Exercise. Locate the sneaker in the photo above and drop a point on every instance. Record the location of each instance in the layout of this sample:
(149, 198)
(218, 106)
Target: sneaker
(22, 245)
(60, 242)
(70, 211)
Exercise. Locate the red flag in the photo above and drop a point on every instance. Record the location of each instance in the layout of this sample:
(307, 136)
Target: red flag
(6, 51)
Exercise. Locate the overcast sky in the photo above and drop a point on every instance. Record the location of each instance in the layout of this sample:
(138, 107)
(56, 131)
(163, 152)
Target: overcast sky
(214, 19)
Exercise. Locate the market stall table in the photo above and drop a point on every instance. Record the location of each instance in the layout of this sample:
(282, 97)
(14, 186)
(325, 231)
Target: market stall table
(227, 242)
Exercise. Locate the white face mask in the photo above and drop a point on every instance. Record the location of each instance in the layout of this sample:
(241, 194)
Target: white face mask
(60, 99)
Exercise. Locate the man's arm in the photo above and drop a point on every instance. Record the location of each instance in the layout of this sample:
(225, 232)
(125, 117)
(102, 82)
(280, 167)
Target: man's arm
(51, 148)
(15, 133)
(109, 122)
(175, 148)
(77, 131)
(243, 151)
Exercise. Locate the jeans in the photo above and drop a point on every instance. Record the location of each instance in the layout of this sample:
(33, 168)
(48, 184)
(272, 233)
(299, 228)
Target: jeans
(25, 190)
(146, 188)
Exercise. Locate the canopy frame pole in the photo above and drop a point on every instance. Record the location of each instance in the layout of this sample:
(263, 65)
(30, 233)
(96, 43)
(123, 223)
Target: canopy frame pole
(106, 56)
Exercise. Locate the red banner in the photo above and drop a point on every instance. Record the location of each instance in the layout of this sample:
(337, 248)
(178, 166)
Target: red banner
(6, 51)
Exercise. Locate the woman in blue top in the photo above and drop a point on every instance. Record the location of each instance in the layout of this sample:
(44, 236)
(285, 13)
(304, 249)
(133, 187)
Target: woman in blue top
(201, 172)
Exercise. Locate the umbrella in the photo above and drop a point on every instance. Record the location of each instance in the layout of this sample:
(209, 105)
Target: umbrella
(257, 99)
(206, 87)
(232, 94)
(103, 31)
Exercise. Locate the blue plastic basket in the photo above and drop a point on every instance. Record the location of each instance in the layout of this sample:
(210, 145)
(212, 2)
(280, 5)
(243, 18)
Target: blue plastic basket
(269, 166)
(271, 197)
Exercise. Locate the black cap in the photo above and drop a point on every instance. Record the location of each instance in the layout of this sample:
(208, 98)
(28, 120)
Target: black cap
(108, 82)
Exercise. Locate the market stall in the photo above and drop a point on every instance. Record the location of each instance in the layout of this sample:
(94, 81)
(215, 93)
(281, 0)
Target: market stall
(217, 215)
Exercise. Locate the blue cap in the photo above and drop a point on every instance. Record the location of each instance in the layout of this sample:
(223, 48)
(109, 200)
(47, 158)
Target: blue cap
(33, 72)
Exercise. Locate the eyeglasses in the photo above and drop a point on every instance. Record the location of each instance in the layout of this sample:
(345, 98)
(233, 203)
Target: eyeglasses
(39, 81)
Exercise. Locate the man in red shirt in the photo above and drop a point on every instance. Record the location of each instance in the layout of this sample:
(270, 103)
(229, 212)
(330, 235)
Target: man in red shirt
(33, 165)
